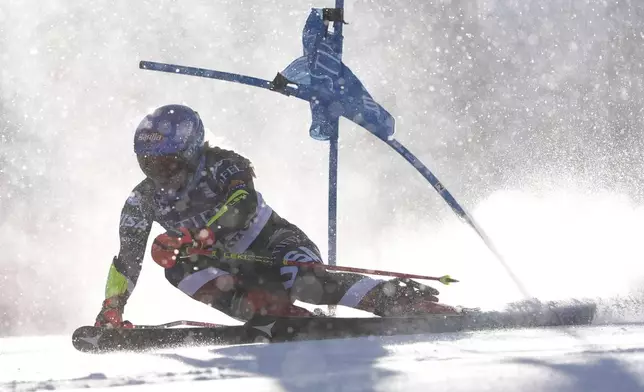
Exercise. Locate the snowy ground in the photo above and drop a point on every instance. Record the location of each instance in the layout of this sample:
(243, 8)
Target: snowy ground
(584, 359)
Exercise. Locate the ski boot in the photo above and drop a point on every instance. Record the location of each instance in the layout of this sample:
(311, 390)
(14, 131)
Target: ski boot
(266, 303)
(404, 297)
(226, 295)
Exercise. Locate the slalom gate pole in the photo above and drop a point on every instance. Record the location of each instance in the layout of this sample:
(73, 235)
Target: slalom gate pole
(446, 279)
(332, 225)
(333, 160)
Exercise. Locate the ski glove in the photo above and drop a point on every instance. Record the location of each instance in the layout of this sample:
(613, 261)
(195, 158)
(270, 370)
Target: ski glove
(111, 315)
(167, 247)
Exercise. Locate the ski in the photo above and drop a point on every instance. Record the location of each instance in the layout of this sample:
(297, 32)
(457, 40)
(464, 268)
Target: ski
(97, 340)
(270, 329)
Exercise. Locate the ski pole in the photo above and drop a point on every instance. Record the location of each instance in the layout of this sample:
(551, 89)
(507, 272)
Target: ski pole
(445, 279)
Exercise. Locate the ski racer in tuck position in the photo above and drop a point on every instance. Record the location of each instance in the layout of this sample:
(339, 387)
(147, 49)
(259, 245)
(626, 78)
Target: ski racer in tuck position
(204, 197)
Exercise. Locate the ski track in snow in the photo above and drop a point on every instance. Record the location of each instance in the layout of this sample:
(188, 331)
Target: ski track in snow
(597, 358)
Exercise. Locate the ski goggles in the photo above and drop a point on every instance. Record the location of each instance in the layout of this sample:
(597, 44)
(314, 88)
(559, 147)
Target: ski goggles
(162, 167)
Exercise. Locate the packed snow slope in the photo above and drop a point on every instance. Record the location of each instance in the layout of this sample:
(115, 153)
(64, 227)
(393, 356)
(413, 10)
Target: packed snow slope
(587, 359)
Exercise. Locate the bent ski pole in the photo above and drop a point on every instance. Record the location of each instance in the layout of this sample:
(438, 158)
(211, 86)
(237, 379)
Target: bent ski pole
(445, 279)
(456, 207)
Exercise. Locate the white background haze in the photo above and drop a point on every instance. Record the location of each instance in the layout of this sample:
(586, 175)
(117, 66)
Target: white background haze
(530, 113)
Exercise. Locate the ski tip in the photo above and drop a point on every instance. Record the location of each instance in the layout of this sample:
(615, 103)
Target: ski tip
(86, 339)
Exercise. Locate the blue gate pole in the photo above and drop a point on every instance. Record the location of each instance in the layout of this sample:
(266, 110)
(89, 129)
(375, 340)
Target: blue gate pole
(333, 197)
(333, 165)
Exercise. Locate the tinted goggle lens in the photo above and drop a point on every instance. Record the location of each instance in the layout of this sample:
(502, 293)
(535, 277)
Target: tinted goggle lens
(162, 166)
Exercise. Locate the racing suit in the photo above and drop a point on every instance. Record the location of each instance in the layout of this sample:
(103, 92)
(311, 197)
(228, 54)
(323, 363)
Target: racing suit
(251, 226)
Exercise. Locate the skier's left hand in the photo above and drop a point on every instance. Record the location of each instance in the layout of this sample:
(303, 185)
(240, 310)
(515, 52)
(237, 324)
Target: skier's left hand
(111, 314)
(168, 246)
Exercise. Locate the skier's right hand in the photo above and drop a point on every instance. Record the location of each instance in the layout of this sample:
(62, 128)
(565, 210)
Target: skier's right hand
(111, 314)
(167, 246)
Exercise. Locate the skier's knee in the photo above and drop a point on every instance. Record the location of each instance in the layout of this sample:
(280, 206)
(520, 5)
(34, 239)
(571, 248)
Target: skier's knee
(242, 300)
(246, 304)
(217, 292)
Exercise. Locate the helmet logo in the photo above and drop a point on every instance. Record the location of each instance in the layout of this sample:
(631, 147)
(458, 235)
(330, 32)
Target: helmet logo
(150, 137)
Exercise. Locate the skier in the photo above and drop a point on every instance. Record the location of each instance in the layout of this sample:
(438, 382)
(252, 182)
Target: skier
(204, 197)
